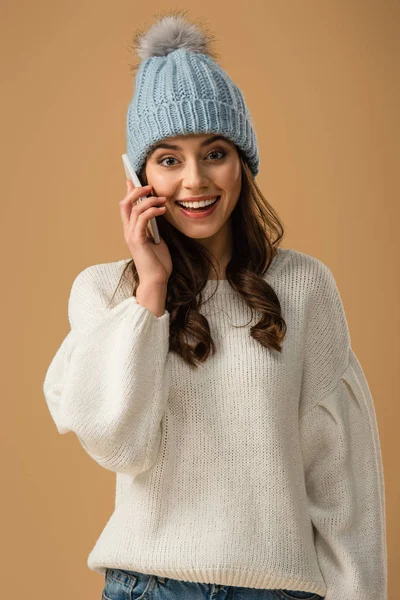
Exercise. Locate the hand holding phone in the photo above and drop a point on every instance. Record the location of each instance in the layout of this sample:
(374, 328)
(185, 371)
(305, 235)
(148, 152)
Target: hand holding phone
(131, 175)
(152, 258)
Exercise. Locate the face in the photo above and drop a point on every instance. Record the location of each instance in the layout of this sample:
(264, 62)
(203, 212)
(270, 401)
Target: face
(196, 165)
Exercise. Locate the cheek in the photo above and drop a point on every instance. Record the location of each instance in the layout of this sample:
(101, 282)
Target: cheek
(230, 177)
(161, 187)
(235, 185)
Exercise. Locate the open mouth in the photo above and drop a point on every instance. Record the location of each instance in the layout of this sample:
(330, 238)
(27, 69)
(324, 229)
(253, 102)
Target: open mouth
(203, 210)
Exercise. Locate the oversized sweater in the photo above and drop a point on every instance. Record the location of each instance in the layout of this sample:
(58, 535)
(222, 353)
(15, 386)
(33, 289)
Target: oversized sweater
(258, 468)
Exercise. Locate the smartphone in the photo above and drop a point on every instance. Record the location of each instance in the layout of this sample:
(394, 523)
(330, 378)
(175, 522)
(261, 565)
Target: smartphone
(131, 175)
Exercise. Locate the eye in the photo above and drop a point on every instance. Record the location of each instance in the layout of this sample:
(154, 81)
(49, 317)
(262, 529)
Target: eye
(173, 158)
(159, 162)
(216, 152)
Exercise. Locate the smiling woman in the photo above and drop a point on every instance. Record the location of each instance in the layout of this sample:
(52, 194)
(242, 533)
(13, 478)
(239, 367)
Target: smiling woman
(216, 224)
(201, 171)
(248, 461)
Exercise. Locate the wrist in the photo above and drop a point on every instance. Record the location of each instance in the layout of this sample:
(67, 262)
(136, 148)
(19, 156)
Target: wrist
(152, 296)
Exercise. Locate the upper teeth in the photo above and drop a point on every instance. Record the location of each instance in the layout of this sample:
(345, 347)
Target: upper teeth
(198, 204)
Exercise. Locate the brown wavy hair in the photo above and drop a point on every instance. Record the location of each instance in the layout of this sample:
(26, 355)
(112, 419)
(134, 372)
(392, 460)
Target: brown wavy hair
(257, 232)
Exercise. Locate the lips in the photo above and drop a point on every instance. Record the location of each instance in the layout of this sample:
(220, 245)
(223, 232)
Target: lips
(199, 198)
(200, 214)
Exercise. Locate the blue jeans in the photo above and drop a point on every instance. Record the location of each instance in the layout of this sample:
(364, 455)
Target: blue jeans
(132, 585)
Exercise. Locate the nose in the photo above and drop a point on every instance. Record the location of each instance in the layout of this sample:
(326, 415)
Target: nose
(195, 178)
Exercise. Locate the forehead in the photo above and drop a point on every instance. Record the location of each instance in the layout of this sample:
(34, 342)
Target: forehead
(177, 142)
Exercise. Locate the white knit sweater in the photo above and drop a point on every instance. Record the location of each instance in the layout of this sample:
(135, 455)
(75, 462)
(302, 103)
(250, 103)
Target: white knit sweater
(257, 469)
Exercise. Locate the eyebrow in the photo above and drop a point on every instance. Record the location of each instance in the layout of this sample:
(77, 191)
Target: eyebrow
(210, 140)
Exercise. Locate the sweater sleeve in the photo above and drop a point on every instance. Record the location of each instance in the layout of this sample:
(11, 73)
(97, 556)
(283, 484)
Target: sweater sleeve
(108, 382)
(345, 488)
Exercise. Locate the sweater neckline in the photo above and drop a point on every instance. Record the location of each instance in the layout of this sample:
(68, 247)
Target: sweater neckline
(224, 286)
(273, 269)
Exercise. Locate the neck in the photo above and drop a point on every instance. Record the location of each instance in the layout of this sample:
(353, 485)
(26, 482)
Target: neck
(220, 246)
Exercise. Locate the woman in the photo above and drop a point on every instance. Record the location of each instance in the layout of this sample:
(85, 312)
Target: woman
(234, 413)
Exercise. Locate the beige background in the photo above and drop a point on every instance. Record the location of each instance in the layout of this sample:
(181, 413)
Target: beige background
(321, 80)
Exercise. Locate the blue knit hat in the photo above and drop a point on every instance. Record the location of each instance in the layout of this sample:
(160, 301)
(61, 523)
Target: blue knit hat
(181, 90)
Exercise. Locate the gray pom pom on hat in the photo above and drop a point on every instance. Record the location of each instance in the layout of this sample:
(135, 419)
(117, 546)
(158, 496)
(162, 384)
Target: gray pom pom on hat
(180, 89)
(169, 34)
